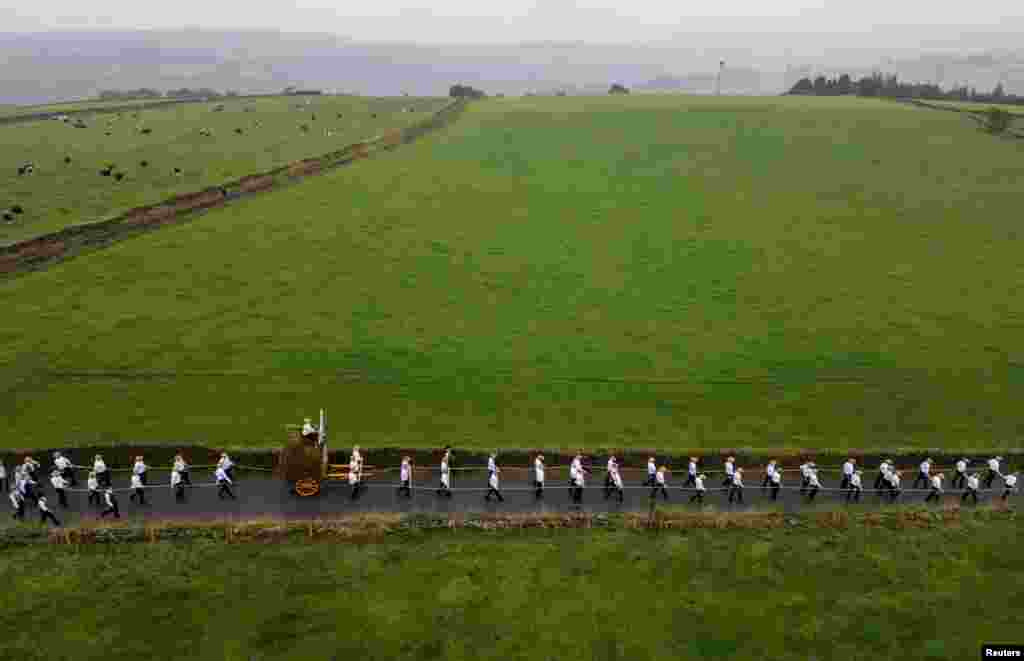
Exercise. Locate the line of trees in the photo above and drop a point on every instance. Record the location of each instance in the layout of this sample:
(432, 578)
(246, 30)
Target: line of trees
(149, 93)
(889, 86)
(466, 91)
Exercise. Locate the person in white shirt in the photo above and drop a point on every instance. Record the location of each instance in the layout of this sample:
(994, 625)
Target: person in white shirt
(32, 468)
(355, 475)
(492, 464)
(405, 476)
(894, 485)
(45, 513)
(698, 485)
(538, 476)
(805, 476)
(973, 482)
(100, 468)
(608, 481)
(769, 470)
(848, 469)
(617, 484)
(736, 486)
(691, 473)
(960, 479)
(924, 473)
(855, 488)
(310, 431)
(111, 500)
(993, 471)
(59, 484)
(936, 490)
(813, 485)
(730, 472)
(225, 463)
(18, 503)
(659, 484)
(445, 489)
(776, 483)
(178, 486)
(357, 455)
(652, 469)
(138, 490)
(64, 465)
(140, 469)
(3, 477)
(1010, 484)
(94, 489)
(181, 467)
(492, 486)
(224, 483)
(579, 481)
(883, 475)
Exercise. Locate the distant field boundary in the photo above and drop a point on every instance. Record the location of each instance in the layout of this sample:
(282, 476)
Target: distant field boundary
(42, 251)
(126, 107)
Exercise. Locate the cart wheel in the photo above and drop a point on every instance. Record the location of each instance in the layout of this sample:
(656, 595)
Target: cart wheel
(306, 488)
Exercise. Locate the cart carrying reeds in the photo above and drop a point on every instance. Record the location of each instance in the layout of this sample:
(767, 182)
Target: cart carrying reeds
(304, 459)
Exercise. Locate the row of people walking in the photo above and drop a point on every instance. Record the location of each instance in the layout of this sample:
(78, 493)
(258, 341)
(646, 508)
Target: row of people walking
(26, 486)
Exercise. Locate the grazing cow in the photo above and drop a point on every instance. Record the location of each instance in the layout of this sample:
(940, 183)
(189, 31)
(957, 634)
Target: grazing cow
(17, 208)
(108, 133)
(314, 117)
(146, 131)
(177, 171)
(339, 115)
(8, 217)
(374, 115)
(238, 131)
(105, 172)
(67, 159)
(27, 168)
(119, 176)
(143, 163)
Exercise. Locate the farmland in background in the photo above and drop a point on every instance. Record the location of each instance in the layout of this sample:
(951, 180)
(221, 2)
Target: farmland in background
(61, 193)
(642, 271)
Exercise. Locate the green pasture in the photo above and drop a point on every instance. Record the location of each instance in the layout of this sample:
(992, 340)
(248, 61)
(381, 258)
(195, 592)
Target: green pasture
(77, 105)
(786, 594)
(60, 194)
(969, 105)
(661, 272)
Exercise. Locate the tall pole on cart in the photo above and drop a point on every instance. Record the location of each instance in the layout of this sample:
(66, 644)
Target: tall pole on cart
(323, 445)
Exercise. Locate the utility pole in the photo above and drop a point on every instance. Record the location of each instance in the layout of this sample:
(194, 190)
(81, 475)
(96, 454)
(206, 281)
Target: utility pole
(718, 81)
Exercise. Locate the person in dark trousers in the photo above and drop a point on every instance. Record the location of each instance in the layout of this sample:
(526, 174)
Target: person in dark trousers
(736, 486)
(140, 469)
(18, 503)
(575, 468)
(813, 486)
(28, 487)
(538, 476)
(730, 472)
(609, 483)
(405, 477)
(691, 474)
(769, 470)
(993, 471)
(94, 489)
(178, 485)
(805, 476)
(111, 501)
(492, 465)
(848, 469)
(853, 494)
(229, 466)
(659, 484)
(924, 474)
(59, 486)
(652, 470)
(181, 467)
(446, 484)
(883, 475)
(102, 472)
(224, 484)
(960, 479)
(895, 477)
(66, 468)
(355, 475)
(972, 489)
(138, 490)
(45, 513)
(1009, 484)
(492, 486)
(936, 489)
(776, 483)
(617, 484)
(3, 477)
(578, 484)
(698, 486)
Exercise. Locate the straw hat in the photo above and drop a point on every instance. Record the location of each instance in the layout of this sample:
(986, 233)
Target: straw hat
(693, 459)
(731, 459)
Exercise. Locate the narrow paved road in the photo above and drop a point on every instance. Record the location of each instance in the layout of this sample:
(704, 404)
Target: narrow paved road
(260, 494)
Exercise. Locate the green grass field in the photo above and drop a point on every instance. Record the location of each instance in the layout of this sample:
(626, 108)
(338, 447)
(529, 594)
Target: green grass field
(650, 271)
(75, 106)
(783, 594)
(59, 194)
(967, 105)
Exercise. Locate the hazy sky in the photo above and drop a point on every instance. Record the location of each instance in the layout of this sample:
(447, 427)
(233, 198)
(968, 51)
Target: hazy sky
(476, 21)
